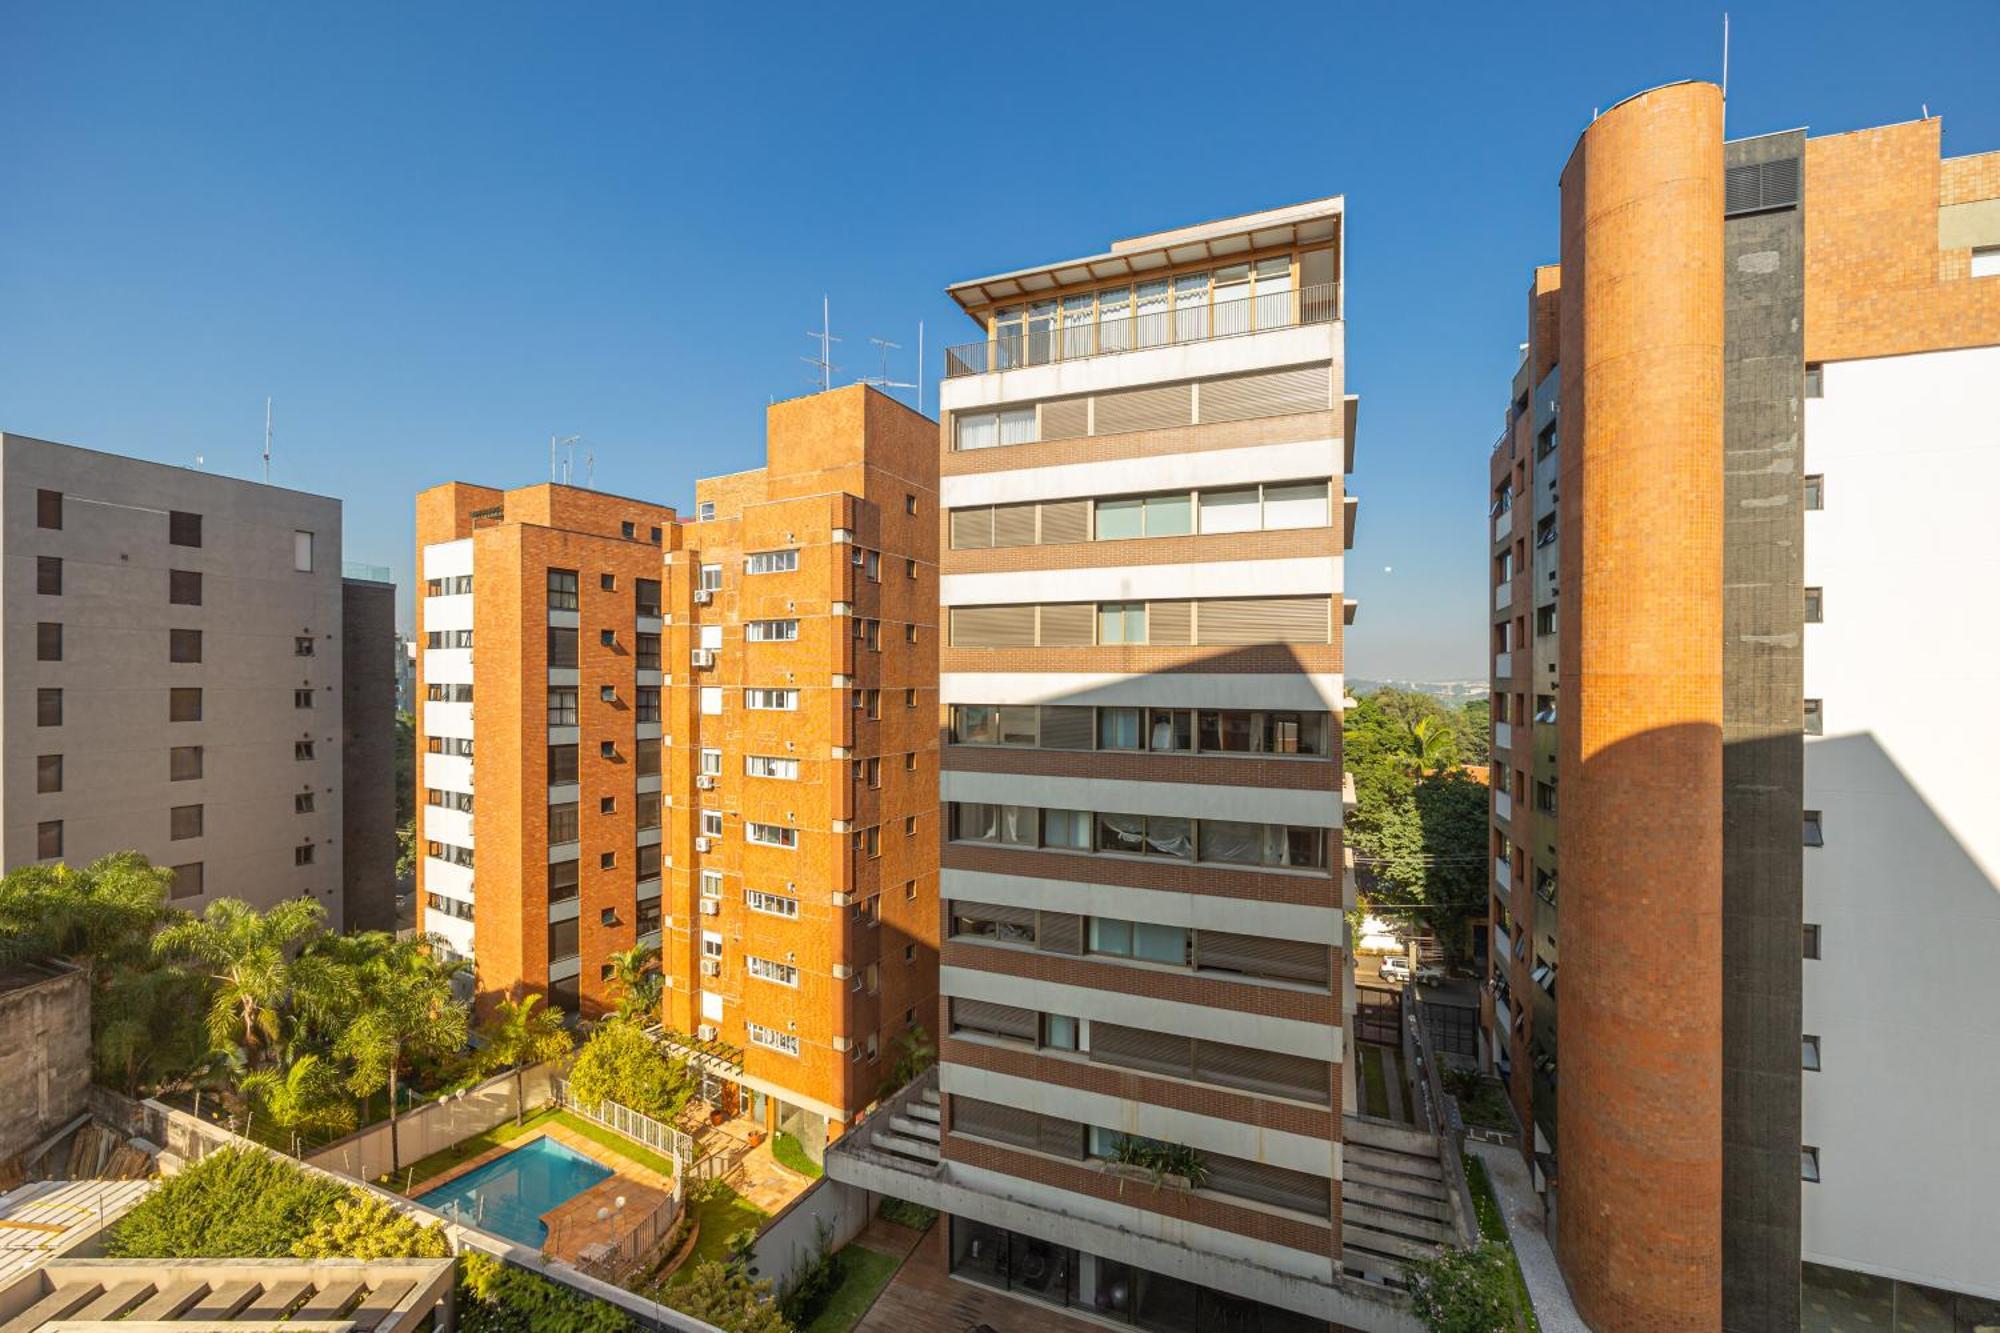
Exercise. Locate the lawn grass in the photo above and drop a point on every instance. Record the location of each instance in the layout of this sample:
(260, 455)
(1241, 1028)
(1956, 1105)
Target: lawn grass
(791, 1153)
(863, 1274)
(1374, 1084)
(719, 1218)
(1492, 1226)
(423, 1170)
(1487, 1108)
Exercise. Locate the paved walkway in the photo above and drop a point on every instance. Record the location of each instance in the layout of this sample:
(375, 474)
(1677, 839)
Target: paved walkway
(1522, 1209)
(924, 1298)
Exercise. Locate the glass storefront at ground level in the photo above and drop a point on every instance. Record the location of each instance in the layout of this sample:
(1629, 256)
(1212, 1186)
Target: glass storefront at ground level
(1058, 1275)
(1838, 1300)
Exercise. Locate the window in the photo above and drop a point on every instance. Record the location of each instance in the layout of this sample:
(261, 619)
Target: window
(1815, 837)
(909, 504)
(183, 529)
(909, 568)
(49, 509)
(1545, 798)
(562, 707)
(710, 578)
(184, 645)
(646, 757)
(909, 633)
(1013, 825)
(302, 749)
(1121, 622)
(771, 631)
(48, 641)
(711, 823)
(646, 652)
(628, 530)
(184, 704)
(648, 917)
(187, 880)
(1146, 835)
(607, 694)
(302, 647)
(48, 708)
(1231, 510)
(563, 877)
(711, 700)
(1815, 386)
(646, 707)
(48, 839)
(562, 648)
(711, 762)
(771, 835)
(1809, 1165)
(784, 974)
(646, 597)
(771, 562)
(646, 810)
(302, 698)
(711, 883)
(785, 1043)
(607, 638)
(1815, 492)
(1140, 940)
(183, 587)
(562, 764)
(871, 703)
(564, 822)
(1545, 619)
(184, 763)
(769, 701)
(704, 511)
(910, 698)
(1119, 729)
(868, 841)
(48, 773)
(1815, 721)
(769, 766)
(1815, 606)
(771, 904)
(1066, 829)
(48, 575)
(607, 860)
(1812, 940)
(607, 749)
(184, 821)
(302, 803)
(1169, 515)
(563, 942)
(302, 551)
(985, 430)
(1809, 1053)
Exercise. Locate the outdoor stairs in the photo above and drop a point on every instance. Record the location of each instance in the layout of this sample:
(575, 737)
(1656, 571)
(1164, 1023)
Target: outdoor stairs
(1393, 1201)
(913, 1131)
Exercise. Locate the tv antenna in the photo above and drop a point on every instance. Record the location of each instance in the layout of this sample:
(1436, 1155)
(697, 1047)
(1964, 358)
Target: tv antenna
(567, 441)
(824, 361)
(267, 439)
(883, 381)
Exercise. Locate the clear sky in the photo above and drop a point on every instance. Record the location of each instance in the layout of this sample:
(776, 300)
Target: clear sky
(439, 233)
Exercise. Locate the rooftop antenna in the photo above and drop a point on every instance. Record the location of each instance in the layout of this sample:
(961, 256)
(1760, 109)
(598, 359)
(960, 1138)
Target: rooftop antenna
(267, 439)
(824, 361)
(590, 469)
(1725, 64)
(555, 444)
(883, 381)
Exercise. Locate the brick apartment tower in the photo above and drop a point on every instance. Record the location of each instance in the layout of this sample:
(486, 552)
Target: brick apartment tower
(1143, 942)
(739, 759)
(1731, 513)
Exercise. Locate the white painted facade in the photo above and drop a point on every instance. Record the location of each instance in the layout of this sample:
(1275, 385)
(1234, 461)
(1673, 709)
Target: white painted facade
(1905, 996)
(450, 721)
(1111, 689)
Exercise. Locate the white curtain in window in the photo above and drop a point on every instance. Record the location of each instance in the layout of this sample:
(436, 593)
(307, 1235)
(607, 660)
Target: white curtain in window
(1190, 307)
(1017, 426)
(1274, 292)
(1114, 319)
(1297, 506)
(1017, 824)
(1121, 833)
(1232, 300)
(977, 431)
(1230, 842)
(1078, 313)
(1169, 837)
(1230, 511)
(1152, 313)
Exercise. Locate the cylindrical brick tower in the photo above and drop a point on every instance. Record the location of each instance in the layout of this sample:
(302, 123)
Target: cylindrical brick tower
(1639, 1087)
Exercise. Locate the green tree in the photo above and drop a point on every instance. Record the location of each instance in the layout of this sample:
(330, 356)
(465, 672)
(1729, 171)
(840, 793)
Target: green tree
(1465, 1291)
(620, 1063)
(362, 1226)
(249, 956)
(406, 1008)
(728, 1299)
(406, 768)
(636, 974)
(494, 1297)
(1430, 746)
(304, 1098)
(524, 1032)
(236, 1203)
(100, 917)
(914, 1055)
(1475, 732)
(149, 1026)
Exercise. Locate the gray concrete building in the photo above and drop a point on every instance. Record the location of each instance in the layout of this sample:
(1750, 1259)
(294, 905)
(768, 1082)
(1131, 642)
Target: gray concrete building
(173, 677)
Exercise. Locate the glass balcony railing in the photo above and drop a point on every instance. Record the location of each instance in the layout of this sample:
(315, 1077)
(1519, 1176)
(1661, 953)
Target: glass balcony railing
(1040, 340)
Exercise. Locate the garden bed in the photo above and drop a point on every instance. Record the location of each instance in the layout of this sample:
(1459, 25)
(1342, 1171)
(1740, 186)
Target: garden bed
(863, 1275)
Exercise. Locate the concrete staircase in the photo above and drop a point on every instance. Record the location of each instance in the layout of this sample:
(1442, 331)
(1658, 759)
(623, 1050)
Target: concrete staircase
(911, 1130)
(1393, 1201)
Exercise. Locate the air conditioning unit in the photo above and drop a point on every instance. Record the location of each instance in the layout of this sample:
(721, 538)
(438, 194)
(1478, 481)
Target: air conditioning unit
(706, 1032)
(711, 967)
(702, 596)
(705, 781)
(711, 907)
(703, 844)
(703, 657)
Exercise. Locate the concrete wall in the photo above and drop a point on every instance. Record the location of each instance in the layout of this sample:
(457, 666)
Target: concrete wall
(44, 1053)
(368, 761)
(1905, 997)
(434, 1126)
(787, 1246)
(115, 737)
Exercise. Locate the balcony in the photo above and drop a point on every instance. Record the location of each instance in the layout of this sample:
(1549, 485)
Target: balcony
(1503, 805)
(1503, 876)
(1503, 669)
(1503, 596)
(1503, 732)
(1051, 338)
(1503, 525)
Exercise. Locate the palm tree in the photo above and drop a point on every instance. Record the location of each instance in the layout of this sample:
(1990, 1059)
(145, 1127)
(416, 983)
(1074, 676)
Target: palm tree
(636, 972)
(306, 1098)
(148, 1026)
(1429, 746)
(405, 1008)
(250, 957)
(103, 914)
(524, 1032)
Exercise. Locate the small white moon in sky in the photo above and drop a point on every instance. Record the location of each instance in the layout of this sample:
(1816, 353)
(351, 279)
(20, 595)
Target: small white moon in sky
(1388, 569)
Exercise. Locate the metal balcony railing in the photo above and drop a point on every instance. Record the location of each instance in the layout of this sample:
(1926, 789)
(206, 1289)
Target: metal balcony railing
(1046, 339)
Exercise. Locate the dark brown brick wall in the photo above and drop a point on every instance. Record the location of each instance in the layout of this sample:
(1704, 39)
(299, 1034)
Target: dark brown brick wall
(1159, 873)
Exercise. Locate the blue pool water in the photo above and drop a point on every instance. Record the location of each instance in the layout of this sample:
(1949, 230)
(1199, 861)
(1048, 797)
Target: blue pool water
(509, 1194)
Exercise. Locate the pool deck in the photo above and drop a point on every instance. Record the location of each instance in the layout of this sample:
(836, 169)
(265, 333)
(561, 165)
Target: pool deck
(573, 1224)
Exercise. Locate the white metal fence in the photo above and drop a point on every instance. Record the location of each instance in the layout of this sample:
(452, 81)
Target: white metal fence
(643, 1129)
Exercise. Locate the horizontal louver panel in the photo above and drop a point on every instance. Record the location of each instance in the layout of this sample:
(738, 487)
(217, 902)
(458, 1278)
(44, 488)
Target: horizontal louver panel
(993, 627)
(1000, 1020)
(1062, 1138)
(1134, 1048)
(1160, 408)
(990, 1120)
(1170, 624)
(1294, 1076)
(1014, 525)
(1065, 418)
(1069, 625)
(1756, 186)
(1066, 728)
(972, 529)
(1065, 521)
(1060, 932)
(1259, 956)
(1264, 620)
(1270, 1184)
(1271, 393)
(998, 912)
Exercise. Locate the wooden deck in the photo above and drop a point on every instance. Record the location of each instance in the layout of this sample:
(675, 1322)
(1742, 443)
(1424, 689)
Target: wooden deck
(924, 1298)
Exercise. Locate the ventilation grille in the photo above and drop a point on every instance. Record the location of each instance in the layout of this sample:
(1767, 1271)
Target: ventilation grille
(1758, 186)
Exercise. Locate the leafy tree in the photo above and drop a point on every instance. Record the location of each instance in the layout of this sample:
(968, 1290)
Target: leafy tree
(524, 1032)
(304, 1098)
(494, 1297)
(620, 1063)
(149, 1026)
(636, 974)
(234, 1203)
(729, 1300)
(99, 917)
(362, 1226)
(249, 957)
(1430, 746)
(914, 1055)
(406, 851)
(1475, 732)
(406, 768)
(1465, 1291)
(406, 1007)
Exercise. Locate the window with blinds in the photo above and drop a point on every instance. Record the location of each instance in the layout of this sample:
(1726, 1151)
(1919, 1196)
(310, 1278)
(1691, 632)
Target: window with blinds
(1157, 407)
(1060, 932)
(1068, 727)
(991, 1120)
(1014, 525)
(1258, 956)
(993, 626)
(1279, 1075)
(1250, 620)
(1065, 418)
(1170, 624)
(1068, 625)
(1270, 393)
(995, 1020)
(1065, 521)
(1274, 1185)
(1136, 1048)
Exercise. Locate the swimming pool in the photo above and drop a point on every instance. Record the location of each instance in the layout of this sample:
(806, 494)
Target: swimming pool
(509, 1194)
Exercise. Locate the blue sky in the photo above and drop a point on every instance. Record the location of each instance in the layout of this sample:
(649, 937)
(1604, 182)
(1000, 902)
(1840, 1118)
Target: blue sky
(437, 234)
